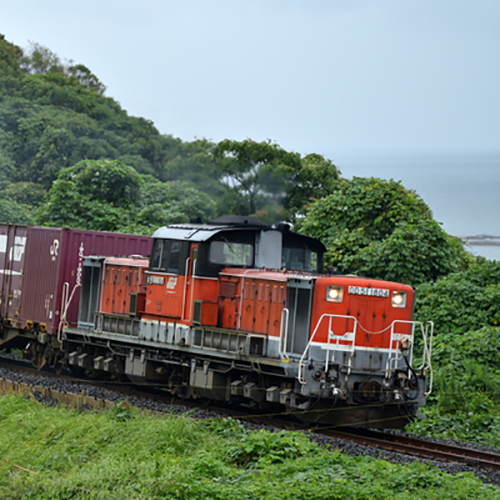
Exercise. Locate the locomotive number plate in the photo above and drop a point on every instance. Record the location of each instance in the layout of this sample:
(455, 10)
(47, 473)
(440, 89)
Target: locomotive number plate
(373, 292)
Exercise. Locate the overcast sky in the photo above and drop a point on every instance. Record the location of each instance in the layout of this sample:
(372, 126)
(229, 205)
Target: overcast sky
(342, 78)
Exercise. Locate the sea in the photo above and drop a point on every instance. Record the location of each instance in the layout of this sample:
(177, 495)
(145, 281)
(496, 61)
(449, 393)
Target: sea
(462, 190)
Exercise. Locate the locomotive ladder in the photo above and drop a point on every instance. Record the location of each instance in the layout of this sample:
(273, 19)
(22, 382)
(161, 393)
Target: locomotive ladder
(333, 344)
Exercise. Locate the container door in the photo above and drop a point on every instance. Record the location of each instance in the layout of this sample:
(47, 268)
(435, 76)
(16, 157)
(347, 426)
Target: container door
(12, 258)
(43, 262)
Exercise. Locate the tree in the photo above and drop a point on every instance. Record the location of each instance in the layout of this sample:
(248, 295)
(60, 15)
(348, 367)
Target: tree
(96, 195)
(380, 229)
(255, 174)
(86, 78)
(25, 193)
(39, 60)
(317, 177)
(14, 213)
(106, 195)
(106, 181)
(163, 203)
(10, 58)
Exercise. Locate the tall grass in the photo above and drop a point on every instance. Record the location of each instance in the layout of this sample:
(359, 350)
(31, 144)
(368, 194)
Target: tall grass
(121, 454)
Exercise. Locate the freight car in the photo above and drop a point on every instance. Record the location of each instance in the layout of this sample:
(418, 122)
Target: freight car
(40, 280)
(237, 311)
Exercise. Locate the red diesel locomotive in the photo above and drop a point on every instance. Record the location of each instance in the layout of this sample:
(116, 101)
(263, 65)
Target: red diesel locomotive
(235, 310)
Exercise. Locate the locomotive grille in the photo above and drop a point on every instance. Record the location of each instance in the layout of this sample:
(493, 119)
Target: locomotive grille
(227, 289)
(197, 308)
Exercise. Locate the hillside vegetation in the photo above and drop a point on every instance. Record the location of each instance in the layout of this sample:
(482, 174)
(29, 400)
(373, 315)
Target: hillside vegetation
(70, 156)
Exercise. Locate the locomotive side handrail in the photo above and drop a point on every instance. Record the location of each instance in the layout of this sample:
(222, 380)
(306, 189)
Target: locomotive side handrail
(426, 357)
(184, 291)
(285, 314)
(395, 354)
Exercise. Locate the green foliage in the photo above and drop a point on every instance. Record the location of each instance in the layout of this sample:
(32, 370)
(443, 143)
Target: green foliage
(18, 202)
(10, 58)
(255, 173)
(462, 301)
(380, 229)
(316, 178)
(15, 213)
(41, 60)
(466, 400)
(95, 195)
(110, 196)
(122, 454)
(263, 448)
(53, 115)
(26, 193)
(105, 181)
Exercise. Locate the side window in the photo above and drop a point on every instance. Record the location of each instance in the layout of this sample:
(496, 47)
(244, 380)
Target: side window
(156, 255)
(175, 256)
(293, 258)
(311, 261)
(236, 254)
(300, 259)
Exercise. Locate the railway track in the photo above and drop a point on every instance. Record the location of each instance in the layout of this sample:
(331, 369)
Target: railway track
(392, 442)
(422, 448)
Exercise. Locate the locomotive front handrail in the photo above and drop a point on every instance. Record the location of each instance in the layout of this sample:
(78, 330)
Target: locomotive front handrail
(331, 335)
(333, 343)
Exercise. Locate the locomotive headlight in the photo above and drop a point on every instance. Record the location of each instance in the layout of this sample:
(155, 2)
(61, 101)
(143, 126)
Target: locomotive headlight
(335, 293)
(398, 299)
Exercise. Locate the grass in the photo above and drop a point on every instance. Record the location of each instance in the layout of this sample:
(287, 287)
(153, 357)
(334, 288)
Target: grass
(121, 454)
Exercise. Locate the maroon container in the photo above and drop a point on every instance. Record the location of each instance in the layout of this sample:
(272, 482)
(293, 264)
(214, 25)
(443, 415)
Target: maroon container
(53, 270)
(12, 258)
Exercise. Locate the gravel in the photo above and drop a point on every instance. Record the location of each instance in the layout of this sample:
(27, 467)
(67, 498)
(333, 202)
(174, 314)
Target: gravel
(348, 447)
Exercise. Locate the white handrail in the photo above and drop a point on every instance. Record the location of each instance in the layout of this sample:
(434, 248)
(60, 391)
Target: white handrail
(65, 303)
(285, 314)
(186, 271)
(394, 352)
(330, 333)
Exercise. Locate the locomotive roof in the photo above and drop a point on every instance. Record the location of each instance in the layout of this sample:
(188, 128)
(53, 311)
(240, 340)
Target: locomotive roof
(198, 231)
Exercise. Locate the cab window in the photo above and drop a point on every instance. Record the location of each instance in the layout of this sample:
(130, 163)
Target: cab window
(169, 256)
(233, 254)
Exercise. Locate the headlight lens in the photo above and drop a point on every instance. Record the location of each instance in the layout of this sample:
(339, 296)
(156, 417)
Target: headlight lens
(398, 299)
(335, 293)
